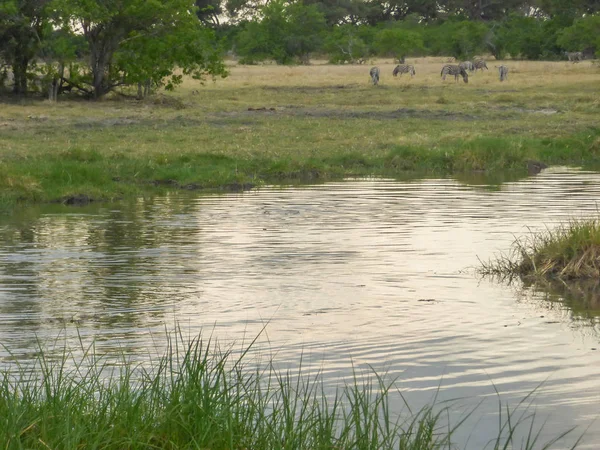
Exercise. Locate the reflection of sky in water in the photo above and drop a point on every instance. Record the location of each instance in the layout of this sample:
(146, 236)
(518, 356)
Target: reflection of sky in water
(352, 274)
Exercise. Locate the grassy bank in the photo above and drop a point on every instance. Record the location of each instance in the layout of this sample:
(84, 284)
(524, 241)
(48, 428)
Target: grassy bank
(265, 124)
(198, 397)
(570, 251)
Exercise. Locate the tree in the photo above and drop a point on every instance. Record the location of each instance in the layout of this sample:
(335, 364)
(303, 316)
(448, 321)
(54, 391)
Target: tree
(462, 39)
(287, 33)
(345, 44)
(398, 42)
(584, 34)
(339, 12)
(306, 29)
(398, 10)
(571, 9)
(131, 41)
(22, 23)
(60, 49)
(485, 10)
(208, 11)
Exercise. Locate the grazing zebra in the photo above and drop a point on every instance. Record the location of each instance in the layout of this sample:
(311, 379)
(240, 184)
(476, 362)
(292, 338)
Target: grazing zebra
(404, 68)
(480, 64)
(467, 65)
(574, 57)
(374, 72)
(503, 72)
(457, 71)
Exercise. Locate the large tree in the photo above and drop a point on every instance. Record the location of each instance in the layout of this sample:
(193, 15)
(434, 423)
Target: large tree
(133, 41)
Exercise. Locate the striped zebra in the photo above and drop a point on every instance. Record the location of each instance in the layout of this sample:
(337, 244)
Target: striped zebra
(480, 64)
(574, 57)
(450, 69)
(374, 72)
(467, 65)
(503, 72)
(404, 68)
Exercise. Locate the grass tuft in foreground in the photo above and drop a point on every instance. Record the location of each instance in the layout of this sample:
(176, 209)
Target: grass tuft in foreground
(570, 251)
(197, 396)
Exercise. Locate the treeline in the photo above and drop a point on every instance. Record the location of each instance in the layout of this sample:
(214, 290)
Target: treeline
(92, 47)
(353, 30)
(292, 33)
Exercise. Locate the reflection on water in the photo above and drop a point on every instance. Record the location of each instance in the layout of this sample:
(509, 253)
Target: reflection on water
(365, 273)
(581, 298)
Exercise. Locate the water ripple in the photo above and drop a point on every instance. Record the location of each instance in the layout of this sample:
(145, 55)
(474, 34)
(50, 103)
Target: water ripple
(354, 275)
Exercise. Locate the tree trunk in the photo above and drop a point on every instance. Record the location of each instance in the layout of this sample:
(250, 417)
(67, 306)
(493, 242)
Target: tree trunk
(55, 83)
(20, 74)
(98, 81)
(98, 61)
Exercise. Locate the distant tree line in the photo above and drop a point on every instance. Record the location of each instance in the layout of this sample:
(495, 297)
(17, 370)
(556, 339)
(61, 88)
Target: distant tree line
(354, 30)
(92, 47)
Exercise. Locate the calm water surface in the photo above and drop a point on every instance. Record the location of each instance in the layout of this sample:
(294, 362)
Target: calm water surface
(351, 274)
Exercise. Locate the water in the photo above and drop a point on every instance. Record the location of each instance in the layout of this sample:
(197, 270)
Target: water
(350, 275)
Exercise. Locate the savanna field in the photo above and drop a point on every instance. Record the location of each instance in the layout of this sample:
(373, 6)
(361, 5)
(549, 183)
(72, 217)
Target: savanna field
(270, 123)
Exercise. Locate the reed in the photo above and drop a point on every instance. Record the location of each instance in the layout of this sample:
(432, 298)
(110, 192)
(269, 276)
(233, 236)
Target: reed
(569, 251)
(199, 396)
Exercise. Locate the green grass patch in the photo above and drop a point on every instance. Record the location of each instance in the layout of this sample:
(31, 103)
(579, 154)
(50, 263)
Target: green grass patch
(199, 396)
(569, 251)
(106, 175)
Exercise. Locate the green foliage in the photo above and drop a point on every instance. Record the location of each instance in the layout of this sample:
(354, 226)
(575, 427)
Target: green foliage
(22, 24)
(287, 33)
(340, 12)
(345, 44)
(306, 28)
(398, 42)
(529, 37)
(462, 39)
(139, 41)
(583, 34)
(208, 11)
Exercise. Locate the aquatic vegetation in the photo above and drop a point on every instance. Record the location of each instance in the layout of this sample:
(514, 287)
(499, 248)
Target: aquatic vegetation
(569, 251)
(198, 396)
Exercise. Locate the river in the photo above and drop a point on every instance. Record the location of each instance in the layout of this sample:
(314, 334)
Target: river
(348, 276)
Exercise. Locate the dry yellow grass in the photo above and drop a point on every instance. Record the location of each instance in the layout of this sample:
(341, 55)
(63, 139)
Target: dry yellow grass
(524, 74)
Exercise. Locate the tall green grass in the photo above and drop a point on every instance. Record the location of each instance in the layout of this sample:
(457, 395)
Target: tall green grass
(569, 251)
(197, 396)
(106, 175)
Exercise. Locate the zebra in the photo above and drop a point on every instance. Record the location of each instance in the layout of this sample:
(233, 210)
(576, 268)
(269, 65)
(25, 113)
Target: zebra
(457, 71)
(374, 72)
(480, 64)
(467, 65)
(503, 72)
(404, 68)
(574, 57)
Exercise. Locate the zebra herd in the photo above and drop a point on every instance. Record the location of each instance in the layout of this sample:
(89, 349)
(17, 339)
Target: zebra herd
(458, 70)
